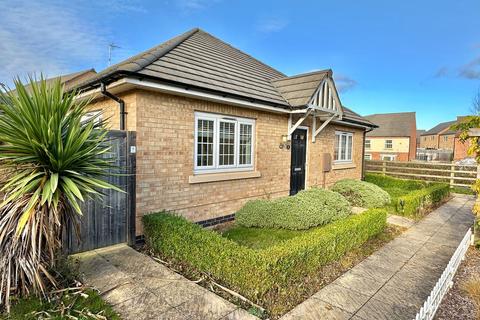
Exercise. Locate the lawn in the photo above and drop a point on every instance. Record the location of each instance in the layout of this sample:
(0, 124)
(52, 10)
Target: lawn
(82, 305)
(260, 238)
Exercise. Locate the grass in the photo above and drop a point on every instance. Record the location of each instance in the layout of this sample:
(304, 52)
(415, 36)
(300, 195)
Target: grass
(462, 190)
(260, 238)
(68, 305)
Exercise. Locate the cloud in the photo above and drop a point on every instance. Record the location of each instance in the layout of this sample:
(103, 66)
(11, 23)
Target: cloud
(471, 70)
(194, 5)
(272, 25)
(122, 6)
(441, 72)
(45, 37)
(344, 83)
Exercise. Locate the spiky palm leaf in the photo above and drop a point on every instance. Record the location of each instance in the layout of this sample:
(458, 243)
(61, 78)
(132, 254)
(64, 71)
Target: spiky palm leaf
(49, 163)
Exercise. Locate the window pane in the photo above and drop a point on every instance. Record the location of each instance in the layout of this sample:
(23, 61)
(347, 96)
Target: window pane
(343, 147)
(227, 144)
(245, 144)
(204, 143)
(337, 141)
(349, 148)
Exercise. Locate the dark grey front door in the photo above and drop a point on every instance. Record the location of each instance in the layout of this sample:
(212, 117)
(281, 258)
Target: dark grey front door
(299, 155)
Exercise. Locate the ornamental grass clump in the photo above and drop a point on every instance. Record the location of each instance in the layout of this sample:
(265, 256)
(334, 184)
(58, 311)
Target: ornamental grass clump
(306, 209)
(361, 193)
(50, 162)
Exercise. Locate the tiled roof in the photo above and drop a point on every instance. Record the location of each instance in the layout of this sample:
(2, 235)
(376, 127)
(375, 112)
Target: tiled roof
(200, 60)
(439, 128)
(400, 124)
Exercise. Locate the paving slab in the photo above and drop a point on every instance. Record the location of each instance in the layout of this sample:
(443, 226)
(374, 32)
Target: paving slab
(393, 282)
(139, 288)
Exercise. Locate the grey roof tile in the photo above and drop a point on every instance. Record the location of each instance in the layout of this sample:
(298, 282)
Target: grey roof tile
(400, 124)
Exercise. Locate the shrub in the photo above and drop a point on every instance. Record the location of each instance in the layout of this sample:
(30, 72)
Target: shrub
(390, 182)
(251, 272)
(416, 202)
(361, 193)
(308, 208)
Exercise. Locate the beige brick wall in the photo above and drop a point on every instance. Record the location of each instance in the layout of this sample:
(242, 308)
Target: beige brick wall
(446, 141)
(430, 141)
(165, 147)
(111, 110)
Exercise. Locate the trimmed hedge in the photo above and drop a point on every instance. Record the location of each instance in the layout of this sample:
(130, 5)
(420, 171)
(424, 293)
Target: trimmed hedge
(416, 202)
(361, 193)
(251, 272)
(306, 209)
(411, 198)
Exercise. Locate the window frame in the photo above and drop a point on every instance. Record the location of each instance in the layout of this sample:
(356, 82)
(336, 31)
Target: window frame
(346, 134)
(390, 156)
(369, 144)
(216, 167)
(391, 144)
(367, 156)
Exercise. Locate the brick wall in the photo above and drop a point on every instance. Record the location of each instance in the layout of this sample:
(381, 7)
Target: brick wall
(165, 152)
(400, 156)
(430, 142)
(446, 141)
(460, 149)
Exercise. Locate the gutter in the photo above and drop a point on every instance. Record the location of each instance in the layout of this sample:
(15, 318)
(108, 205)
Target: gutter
(121, 104)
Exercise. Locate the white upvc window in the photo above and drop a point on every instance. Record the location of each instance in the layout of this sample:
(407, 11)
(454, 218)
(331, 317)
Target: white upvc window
(388, 157)
(368, 156)
(388, 144)
(223, 143)
(95, 116)
(343, 146)
(368, 144)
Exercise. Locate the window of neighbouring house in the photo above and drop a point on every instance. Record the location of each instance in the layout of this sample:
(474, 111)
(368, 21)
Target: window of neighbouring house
(343, 146)
(223, 143)
(388, 144)
(388, 157)
(367, 144)
(368, 157)
(432, 138)
(445, 138)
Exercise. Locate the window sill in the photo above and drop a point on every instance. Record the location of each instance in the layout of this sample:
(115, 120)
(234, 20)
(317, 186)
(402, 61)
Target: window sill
(341, 166)
(212, 177)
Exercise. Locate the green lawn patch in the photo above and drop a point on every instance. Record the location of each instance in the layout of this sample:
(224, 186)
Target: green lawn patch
(260, 238)
(462, 190)
(68, 305)
(411, 198)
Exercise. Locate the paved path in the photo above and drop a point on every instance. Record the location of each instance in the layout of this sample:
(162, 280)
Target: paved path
(394, 282)
(139, 288)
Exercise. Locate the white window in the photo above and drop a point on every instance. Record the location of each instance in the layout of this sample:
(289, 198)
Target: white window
(445, 138)
(367, 144)
(223, 143)
(95, 116)
(388, 144)
(388, 157)
(368, 157)
(343, 146)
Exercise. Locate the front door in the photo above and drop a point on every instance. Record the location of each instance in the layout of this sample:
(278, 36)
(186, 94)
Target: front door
(299, 156)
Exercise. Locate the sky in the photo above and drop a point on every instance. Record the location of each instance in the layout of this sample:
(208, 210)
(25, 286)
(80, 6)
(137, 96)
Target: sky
(386, 56)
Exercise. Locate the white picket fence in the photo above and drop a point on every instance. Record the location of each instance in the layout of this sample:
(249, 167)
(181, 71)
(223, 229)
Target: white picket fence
(427, 312)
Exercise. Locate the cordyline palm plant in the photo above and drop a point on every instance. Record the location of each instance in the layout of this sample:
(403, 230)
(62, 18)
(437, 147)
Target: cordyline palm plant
(50, 161)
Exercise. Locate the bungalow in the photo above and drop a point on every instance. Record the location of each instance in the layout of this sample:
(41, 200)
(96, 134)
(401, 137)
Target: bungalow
(395, 139)
(215, 127)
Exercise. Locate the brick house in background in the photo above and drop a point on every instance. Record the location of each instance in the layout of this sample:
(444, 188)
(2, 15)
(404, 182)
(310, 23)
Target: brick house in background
(216, 127)
(395, 139)
(441, 143)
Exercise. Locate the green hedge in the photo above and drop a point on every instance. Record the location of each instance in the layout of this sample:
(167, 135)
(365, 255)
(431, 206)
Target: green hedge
(410, 198)
(251, 272)
(306, 209)
(361, 193)
(416, 202)
(390, 182)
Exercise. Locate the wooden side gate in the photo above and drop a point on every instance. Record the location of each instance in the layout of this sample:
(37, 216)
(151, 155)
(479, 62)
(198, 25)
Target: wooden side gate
(110, 220)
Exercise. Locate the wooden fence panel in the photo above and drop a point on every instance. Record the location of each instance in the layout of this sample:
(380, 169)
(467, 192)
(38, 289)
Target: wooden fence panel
(453, 174)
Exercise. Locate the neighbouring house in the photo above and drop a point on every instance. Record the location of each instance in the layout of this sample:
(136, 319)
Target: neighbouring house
(71, 80)
(395, 139)
(419, 136)
(442, 144)
(216, 127)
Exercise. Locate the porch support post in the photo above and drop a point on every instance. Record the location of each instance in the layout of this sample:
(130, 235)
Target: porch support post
(297, 124)
(324, 124)
(314, 127)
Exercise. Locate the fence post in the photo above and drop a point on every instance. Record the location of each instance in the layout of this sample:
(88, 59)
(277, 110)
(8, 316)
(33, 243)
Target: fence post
(452, 175)
(384, 168)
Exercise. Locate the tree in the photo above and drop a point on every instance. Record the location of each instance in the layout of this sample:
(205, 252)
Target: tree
(49, 163)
